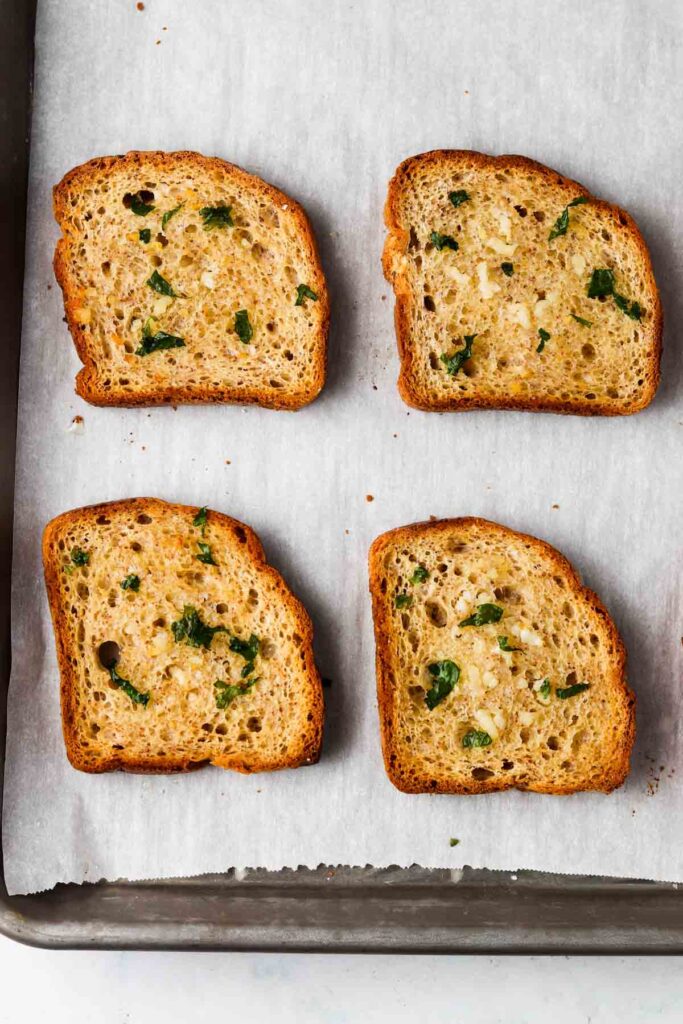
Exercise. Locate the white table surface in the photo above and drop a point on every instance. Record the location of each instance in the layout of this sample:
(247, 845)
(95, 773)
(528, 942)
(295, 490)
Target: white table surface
(146, 988)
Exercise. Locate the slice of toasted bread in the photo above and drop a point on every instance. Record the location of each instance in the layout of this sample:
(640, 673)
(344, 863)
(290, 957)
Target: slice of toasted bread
(177, 643)
(186, 279)
(517, 289)
(496, 668)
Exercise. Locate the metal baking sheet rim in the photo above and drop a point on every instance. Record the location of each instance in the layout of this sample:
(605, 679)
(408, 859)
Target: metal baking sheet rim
(326, 910)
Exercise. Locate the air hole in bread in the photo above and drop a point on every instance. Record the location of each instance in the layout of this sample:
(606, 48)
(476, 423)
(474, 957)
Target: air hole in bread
(539, 216)
(429, 304)
(135, 546)
(254, 724)
(571, 679)
(108, 653)
(481, 774)
(436, 613)
(268, 649)
(143, 519)
(553, 743)
(144, 195)
(160, 623)
(221, 729)
(507, 765)
(240, 534)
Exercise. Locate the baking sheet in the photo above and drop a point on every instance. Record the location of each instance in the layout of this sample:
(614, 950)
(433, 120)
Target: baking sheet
(324, 99)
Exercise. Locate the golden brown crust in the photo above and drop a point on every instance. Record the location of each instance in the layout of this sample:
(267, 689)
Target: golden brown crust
(396, 242)
(623, 698)
(311, 741)
(86, 380)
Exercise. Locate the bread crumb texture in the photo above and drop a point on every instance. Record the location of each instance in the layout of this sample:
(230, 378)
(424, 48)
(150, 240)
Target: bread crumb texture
(496, 668)
(470, 255)
(177, 643)
(183, 277)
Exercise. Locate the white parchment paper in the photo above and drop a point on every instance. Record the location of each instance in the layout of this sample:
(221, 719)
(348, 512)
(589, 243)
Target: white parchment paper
(324, 99)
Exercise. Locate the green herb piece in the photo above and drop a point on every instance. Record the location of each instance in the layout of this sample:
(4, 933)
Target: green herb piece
(131, 582)
(544, 689)
(632, 309)
(156, 342)
(484, 614)
(304, 292)
(421, 575)
(403, 600)
(200, 519)
(219, 216)
(139, 202)
(226, 692)
(544, 336)
(505, 646)
(508, 269)
(243, 329)
(459, 197)
(601, 284)
(562, 223)
(453, 842)
(135, 695)
(247, 649)
(159, 284)
(205, 555)
(79, 557)
(193, 631)
(170, 213)
(476, 738)
(580, 320)
(440, 241)
(445, 675)
(453, 363)
(144, 234)
(571, 691)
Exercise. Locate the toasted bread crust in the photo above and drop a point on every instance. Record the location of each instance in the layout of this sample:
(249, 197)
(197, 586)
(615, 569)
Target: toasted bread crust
(87, 384)
(397, 240)
(623, 699)
(309, 749)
